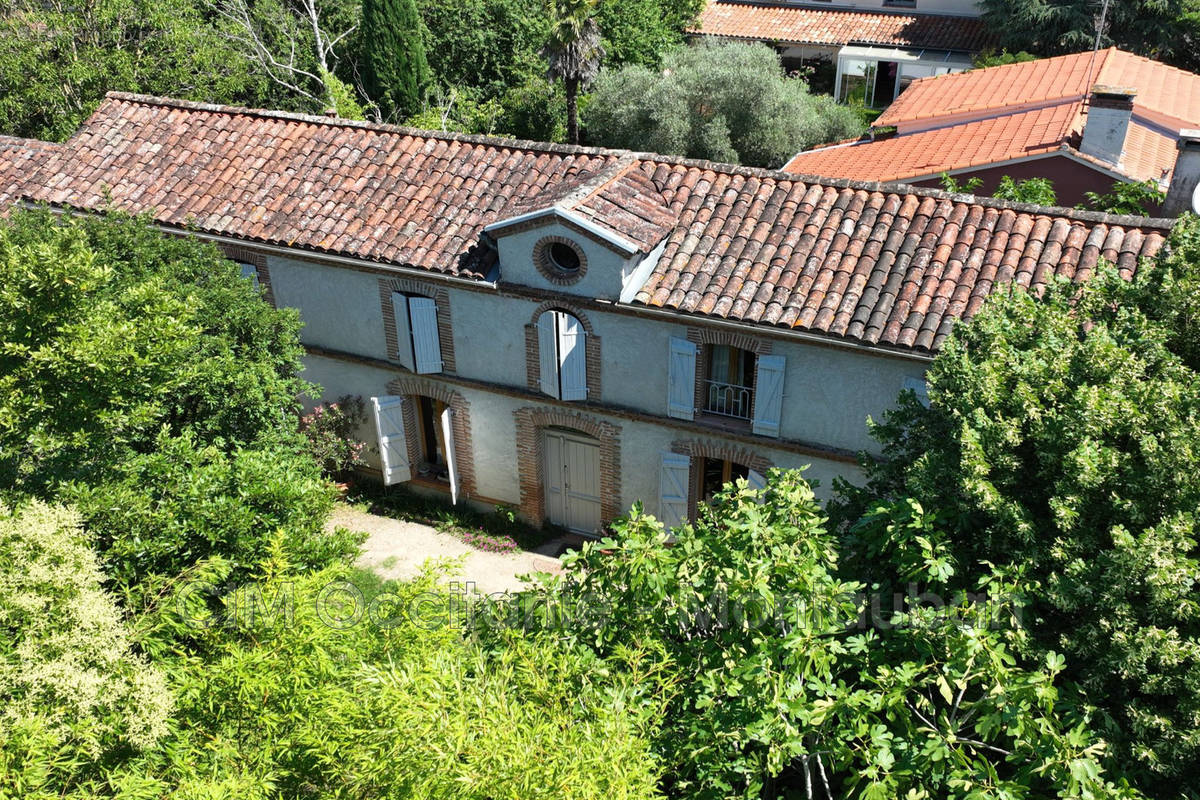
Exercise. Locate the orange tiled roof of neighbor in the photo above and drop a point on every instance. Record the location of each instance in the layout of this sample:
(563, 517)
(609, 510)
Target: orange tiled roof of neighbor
(835, 27)
(876, 265)
(1163, 92)
(941, 149)
(987, 116)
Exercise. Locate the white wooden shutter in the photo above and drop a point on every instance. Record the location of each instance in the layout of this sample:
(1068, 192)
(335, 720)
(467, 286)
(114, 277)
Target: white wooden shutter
(572, 355)
(404, 343)
(249, 272)
(427, 347)
(768, 395)
(756, 480)
(389, 428)
(548, 352)
(918, 387)
(673, 485)
(448, 443)
(681, 379)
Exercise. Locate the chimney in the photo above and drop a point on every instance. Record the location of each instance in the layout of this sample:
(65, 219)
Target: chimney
(1109, 110)
(1184, 192)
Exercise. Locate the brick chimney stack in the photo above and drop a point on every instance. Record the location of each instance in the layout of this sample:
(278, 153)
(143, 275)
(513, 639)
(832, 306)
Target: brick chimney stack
(1109, 111)
(1184, 192)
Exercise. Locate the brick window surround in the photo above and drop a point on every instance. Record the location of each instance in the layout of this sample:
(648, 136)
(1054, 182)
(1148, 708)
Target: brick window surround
(704, 338)
(531, 422)
(533, 368)
(411, 387)
(259, 260)
(439, 296)
(541, 260)
(696, 449)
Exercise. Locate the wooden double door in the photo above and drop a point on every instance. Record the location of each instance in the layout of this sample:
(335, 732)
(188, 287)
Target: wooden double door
(572, 480)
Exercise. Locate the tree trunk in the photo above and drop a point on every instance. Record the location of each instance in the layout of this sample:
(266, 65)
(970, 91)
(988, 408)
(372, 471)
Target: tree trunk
(572, 110)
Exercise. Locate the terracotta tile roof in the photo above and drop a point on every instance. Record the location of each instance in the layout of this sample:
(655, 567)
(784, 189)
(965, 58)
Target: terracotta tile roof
(1162, 91)
(893, 267)
(1007, 88)
(834, 27)
(970, 119)
(383, 193)
(889, 267)
(935, 151)
(18, 160)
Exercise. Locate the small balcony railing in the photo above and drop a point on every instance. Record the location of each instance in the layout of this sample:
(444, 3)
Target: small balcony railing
(729, 399)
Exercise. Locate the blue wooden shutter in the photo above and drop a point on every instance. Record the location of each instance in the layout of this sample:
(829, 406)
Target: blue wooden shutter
(427, 347)
(768, 395)
(389, 430)
(572, 357)
(681, 379)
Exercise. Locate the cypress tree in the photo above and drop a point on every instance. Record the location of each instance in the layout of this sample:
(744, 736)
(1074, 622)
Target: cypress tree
(395, 72)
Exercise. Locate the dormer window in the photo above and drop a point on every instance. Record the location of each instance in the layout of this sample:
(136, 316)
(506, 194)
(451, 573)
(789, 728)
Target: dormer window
(560, 260)
(564, 257)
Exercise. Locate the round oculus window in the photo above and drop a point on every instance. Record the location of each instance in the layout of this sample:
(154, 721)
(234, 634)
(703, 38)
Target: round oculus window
(563, 257)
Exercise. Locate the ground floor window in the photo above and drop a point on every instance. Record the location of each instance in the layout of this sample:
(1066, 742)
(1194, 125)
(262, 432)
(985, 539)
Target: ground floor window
(715, 473)
(431, 439)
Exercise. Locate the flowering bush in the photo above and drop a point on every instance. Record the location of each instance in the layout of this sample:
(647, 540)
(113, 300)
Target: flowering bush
(482, 540)
(330, 431)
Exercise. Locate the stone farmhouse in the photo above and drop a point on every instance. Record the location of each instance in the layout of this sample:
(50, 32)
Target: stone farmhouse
(566, 329)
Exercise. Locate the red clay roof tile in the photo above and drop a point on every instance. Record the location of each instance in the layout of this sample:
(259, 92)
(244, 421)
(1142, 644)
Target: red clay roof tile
(882, 266)
(835, 27)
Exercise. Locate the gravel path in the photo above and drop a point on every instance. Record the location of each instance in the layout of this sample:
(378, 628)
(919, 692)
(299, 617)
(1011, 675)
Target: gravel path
(396, 549)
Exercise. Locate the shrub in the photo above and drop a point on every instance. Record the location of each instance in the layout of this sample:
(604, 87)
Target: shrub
(771, 684)
(157, 514)
(75, 698)
(724, 102)
(329, 430)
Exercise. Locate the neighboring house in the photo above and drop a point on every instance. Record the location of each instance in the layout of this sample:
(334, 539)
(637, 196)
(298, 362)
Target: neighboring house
(862, 51)
(1084, 121)
(572, 330)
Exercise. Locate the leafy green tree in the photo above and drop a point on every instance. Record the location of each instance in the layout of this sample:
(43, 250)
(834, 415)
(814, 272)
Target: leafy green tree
(396, 73)
(1039, 191)
(573, 52)
(644, 31)
(156, 514)
(77, 697)
(777, 680)
(990, 58)
(57, 59)
(724, 102)
(112, 331)
(1160, 29)
(1061, 437)
(1139, 199)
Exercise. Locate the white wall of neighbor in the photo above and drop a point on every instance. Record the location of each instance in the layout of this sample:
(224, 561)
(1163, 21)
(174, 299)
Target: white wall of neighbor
(967, 8)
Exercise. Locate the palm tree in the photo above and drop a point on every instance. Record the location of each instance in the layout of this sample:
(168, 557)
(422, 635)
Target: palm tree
(573, 52)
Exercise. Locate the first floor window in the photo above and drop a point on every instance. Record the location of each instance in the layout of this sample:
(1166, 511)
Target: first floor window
(562, 353)
(418, 345)
(729, 387)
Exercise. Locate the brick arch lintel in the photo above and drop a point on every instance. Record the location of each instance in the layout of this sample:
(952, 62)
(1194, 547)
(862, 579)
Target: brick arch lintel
(570, 308)
(533, 368)
(699, 448)
(464, 456)
(530, 423)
